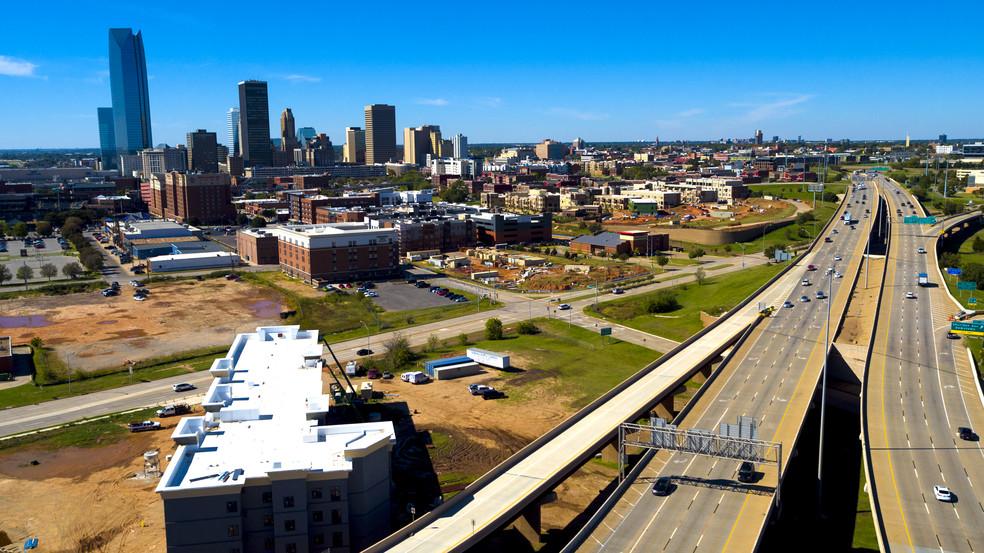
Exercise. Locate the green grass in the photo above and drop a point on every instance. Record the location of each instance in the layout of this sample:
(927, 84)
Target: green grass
(571, 362)
(193, 361)
(717, 295)
(865, 537)
(967, 256)
(83, 433)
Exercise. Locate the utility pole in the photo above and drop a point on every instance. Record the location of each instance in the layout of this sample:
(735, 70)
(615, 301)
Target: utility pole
(367, 334)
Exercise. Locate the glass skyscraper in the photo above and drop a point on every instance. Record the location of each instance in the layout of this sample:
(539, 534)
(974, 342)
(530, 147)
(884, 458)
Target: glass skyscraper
(128, 79)
(107, 138)
(232, 120)
(254, 124)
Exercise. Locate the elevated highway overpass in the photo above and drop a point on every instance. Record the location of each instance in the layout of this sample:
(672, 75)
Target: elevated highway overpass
(506, 492)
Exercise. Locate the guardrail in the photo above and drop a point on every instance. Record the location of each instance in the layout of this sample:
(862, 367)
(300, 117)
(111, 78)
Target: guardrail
(465, 495)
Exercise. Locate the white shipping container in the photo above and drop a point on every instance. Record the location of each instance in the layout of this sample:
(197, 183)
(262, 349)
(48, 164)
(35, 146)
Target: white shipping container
(490, 358)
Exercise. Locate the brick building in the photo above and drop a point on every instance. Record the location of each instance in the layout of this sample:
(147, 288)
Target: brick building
(181, 196)
(508, 228)
(442, 234)
(330, 215)
(338, 253)
(258, 247)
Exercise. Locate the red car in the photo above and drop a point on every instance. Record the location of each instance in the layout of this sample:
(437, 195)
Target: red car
(811, 268)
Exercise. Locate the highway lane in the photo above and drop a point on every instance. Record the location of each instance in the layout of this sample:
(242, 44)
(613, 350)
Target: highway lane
(767, 381)
(920, 390)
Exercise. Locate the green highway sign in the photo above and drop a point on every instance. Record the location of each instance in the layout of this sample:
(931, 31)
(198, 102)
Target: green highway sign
(973, 326)
(913, 220)
(606, 331)
(927, 220)
(972, 301)
(966, 285)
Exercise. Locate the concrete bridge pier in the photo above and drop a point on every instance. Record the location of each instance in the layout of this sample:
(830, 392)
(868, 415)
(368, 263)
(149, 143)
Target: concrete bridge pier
(528, 523)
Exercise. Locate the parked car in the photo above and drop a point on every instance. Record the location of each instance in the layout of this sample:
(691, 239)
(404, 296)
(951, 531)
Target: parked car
(110, 292)
(373, 373)
(182, 387)
(387, 375)
(143, 426)
(478, 389)
(174, 410)
(422, 284)
(493, 394)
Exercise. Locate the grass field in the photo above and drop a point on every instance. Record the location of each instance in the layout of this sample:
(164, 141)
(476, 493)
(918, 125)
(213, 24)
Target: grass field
(570, 361)
(967, 255)
(865, 539)
(717, 295)
(104, 431)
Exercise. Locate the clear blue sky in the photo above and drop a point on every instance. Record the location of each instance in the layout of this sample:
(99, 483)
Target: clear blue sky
(509, 71)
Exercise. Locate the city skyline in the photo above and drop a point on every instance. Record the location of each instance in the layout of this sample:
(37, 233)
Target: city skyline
(672, 75)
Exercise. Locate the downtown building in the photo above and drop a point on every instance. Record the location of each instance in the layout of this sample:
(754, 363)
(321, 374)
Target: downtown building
(380, 134)
(509, 228)
(255, 146)
(265, 470)
(128, 83)
(338, 253)
(189, 196)
(444, 234)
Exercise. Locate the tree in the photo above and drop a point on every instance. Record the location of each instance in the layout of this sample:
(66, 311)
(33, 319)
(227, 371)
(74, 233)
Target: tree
(594, 227)
(37, 342)
(770, 252)
(72, 270)
(432, 342)
(398, 352)
(43, 228)
(456, 192)
(20, 230)
(5, 274)
(258, 222)
(25, 273)
(242, 219)
(493, 329)
(462, 339)
(193, 221)
(91, 259)
(663, 301)
(527, 327)
(696, 253)
(662, 261)
(727, 248)
(977, 245)
(268, 213)
(49, 270)
(700, 275)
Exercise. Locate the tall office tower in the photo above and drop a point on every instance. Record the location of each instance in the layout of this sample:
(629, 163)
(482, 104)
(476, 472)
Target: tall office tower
(107, 138)
(380, 133)
(128, 82)
(304, 134)
(254, 124)
(459, 143)
(203, 152)
(232, 129)
(942, 138)
(288, 140)
(355, 146)
(758, 137)
(420, 141)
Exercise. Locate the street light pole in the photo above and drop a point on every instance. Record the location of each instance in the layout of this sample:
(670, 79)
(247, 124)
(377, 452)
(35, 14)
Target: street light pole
(823, 397)
(367, 335)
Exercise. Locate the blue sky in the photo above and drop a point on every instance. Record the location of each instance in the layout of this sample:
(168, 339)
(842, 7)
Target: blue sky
(509, 71)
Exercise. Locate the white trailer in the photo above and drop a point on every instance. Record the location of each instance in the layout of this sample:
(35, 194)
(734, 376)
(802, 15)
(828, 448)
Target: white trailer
(490, 358)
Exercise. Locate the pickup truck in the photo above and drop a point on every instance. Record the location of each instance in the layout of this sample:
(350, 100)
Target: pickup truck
(143, 426)
(174, 410)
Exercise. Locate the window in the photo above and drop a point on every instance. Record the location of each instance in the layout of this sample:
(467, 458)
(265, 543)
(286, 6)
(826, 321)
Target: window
(318, 516)
(232, 506)
(268, 497)
(336, 493)
(336, 539)
(233, 550)
(291, 548)
(267, 520)
(315, 493)
(336, 516)
(233, 530)
(319, 539)
(289, 526)
(288, 501)
(268, 544)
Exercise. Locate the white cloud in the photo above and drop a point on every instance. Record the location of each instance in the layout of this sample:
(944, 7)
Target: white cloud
(432, 101)
(489, 102)
(690, 112)
(303, 78)
(578, 114)
(783, 107)
(15, 67)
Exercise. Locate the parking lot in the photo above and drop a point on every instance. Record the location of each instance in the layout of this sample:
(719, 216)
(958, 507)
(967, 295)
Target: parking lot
(36, 257)
(397, 295)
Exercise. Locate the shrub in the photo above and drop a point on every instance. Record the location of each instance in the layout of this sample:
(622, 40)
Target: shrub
(527, 327)
(663, 301)
(493, 329)
(462, 339)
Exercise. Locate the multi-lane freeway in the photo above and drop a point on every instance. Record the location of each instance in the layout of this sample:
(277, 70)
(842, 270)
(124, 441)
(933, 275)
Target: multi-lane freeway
(772, 378)
(920, 389)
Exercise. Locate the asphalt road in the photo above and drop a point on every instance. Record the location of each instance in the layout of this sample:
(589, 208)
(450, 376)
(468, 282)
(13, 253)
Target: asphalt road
(920, 389)
(772, 379)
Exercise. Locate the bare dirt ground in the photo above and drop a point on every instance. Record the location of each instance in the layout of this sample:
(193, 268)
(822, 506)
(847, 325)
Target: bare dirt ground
(859, 315)
(90, 331)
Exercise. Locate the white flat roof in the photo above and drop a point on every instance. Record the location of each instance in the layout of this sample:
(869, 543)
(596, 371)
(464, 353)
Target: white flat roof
(200, 255)
(260, 418)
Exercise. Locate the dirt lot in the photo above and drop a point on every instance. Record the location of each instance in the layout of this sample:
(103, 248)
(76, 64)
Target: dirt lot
(859, 316)
(177, 316)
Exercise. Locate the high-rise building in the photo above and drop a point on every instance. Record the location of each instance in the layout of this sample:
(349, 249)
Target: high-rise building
(420, 141)
(254, 124)
(288, 140)
(942, 139)
(107, 138)
(232, 126)
(128, 82)
(550, 149)
(163, 160)
(758, 137)
(203, 152)
(320, 152)
(304, 134)
(380, 133)
(459, 144)
(181, 197)
(355, 145)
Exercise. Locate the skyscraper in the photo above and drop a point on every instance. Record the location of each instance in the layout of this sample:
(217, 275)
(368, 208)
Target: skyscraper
(420, 141)
(380, 133)
(203, 152)
(758, 137)
(288, 140)
(232, 126)
(107, 138)
(128, 82)
(355, 145)
(460, 144)
(254, 124)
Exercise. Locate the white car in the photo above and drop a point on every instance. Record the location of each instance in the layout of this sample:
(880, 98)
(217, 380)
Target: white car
(182, 387)
(140, 298)
(921, 250)
(910, 295)
(837, 258)
(942, 493)
(563, 307)
(838, 275)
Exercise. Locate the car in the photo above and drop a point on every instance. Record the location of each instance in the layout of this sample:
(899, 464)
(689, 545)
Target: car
(952, 336)
(804, 299)
(368, 285)
(493, 394)
(422, 284)
(837, 258)
(182, 387)
(910, 296)
(787, 303)
(835, 231)
(921, 250)
(411, 280)
(460, 299)
(820, 295)
(373, 373)
(838, 275)
(134, 282)
(942, 493)
(811, 268)
(478, 389)
(110, 292)
(806, 282)
(746, 472)
(563, 307)
(387, 375)
(852, 227)
(865, 215)
(662, 486)
(434, 288)
(617, 291)
(827, 240)
(966, 434)
(139, 297)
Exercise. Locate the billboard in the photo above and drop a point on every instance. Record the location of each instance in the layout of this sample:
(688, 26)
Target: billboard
(966, 285)
(952, 271)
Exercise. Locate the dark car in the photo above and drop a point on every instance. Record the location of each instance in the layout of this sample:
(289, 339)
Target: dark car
(662, 486)
(387, 375)
(952, 336)
(364, 352)
(411, 280)
(966, 434)
(422, 284)
(746, 472)
(493, 394)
